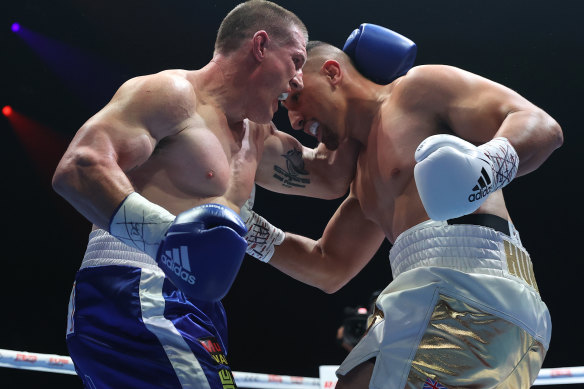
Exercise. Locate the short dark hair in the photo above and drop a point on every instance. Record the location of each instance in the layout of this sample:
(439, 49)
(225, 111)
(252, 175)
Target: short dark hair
(312, 45)
(254, 15)
(318, 52)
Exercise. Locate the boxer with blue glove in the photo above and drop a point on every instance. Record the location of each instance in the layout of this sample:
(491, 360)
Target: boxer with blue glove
(437, 145)
(380, 54)
(200, 250)
(162, 172)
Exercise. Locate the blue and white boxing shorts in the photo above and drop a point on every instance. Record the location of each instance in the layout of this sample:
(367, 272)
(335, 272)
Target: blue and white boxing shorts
(462, 311)
(130, 327)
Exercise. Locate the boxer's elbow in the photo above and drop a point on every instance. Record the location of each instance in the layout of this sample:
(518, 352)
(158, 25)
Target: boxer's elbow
(333, 284)
(556, 134)
(74, 170)
(337, 189)
(543, 138)
(338, 185)
(64, 176)
(549, 133)
(336, 281)
(336, 277)
(552, 138)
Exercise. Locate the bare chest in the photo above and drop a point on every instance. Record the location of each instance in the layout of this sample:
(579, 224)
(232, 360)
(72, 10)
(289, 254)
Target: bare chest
(379, 180)
(206, 161)
(384, 179)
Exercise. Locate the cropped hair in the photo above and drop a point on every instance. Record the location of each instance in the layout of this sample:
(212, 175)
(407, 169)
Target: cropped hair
(254, 15)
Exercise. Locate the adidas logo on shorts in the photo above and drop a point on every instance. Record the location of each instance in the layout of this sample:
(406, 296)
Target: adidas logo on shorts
(177, 261)
(482, 188)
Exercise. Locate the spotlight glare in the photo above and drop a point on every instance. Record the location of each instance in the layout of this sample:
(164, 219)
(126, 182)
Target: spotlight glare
(7, 110)
(15, 27)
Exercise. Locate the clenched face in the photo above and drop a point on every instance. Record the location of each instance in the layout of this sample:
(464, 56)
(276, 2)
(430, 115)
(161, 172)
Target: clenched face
(315, 110)
(281, 73)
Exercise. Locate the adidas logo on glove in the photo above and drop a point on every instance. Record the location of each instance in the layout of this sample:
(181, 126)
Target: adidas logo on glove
(482, 188)
(177, 261)
(447, 166)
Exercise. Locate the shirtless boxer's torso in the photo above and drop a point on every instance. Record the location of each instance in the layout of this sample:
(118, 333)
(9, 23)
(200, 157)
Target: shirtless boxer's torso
(384, 180)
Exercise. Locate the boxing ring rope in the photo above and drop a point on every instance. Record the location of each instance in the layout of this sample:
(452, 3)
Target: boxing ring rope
(62, 364)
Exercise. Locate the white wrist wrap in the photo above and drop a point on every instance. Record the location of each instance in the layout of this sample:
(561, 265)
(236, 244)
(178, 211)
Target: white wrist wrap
(141, 224)
(505, 161)
(261, 237)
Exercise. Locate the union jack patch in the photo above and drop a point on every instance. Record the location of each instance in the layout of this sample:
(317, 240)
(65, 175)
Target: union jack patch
(431, 384)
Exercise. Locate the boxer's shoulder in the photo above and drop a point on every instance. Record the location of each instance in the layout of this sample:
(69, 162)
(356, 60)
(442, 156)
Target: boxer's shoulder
(428, 87)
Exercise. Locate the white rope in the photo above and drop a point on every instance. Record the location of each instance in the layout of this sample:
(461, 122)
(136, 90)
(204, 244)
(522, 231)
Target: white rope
(63, 364)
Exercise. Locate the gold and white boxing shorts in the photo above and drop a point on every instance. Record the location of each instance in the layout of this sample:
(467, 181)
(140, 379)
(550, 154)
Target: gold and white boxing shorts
(462, 311)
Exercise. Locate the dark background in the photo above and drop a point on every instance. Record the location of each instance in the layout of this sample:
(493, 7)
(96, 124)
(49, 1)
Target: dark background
(277, 325)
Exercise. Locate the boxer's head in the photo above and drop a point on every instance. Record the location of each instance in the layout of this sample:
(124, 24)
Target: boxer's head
(269, 43)
(319, 108)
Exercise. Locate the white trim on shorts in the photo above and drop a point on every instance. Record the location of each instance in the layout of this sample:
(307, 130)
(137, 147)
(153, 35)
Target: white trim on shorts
(186, 366)
(105, 250)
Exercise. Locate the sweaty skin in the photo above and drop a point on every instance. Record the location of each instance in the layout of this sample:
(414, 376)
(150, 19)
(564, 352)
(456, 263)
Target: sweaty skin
(389, 122)
(184, 138)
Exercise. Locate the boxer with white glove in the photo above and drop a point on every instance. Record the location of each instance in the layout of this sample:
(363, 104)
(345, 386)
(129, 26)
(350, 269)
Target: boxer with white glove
(200, 250)
(454, 177)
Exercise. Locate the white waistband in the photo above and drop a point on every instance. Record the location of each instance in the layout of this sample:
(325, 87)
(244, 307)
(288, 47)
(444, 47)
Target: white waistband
(104, 250)
(469, 248)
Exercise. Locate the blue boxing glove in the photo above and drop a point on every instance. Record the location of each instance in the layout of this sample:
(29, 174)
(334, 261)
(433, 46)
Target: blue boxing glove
(380, 54)
(200, 250)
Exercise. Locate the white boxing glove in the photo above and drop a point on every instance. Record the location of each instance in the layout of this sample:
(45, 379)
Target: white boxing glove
(261, 237)
(454, 177)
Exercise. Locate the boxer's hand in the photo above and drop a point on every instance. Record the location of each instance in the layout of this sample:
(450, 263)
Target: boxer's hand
(261, 237)
(454, 177)
(200, 250)
(203, 250)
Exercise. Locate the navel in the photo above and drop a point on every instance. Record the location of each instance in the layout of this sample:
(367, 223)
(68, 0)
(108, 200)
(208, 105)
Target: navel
(210, 174)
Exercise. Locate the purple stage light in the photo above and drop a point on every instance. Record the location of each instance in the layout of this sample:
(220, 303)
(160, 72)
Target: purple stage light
(15, 27)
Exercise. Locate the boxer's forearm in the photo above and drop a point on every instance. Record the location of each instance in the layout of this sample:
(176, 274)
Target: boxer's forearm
(534, 135)
(303, 259)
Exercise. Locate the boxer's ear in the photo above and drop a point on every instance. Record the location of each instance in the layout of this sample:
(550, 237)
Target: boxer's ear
(332, 69)
(260, 42)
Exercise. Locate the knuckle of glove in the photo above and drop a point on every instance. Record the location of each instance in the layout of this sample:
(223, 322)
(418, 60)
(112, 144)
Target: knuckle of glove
(379, 53)
(206, 217)
(204, 263)
(445, 180)
(436, 142)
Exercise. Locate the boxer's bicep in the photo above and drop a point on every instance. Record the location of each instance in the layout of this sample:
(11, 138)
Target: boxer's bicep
(473, 108)
(122, 136)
